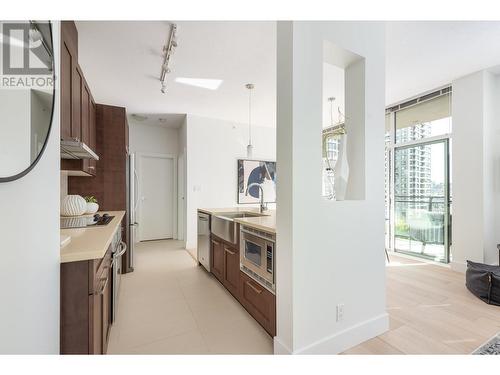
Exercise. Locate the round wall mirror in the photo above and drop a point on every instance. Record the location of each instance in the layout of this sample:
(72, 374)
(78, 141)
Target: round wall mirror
(26, 95)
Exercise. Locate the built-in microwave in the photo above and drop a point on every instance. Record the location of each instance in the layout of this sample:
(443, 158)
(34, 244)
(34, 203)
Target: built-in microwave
(257, 255)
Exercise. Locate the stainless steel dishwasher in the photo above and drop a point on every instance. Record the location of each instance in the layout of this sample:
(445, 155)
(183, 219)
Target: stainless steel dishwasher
(204, 240)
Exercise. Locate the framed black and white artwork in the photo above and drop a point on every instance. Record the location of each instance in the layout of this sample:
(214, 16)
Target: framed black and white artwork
(251, 175)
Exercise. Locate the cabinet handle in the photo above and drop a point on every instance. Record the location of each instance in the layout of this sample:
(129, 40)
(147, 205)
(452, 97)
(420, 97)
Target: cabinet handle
(91, 167)
(215, 242)
(123, 248)
(229, 251)
(255, 289)
(101, 291)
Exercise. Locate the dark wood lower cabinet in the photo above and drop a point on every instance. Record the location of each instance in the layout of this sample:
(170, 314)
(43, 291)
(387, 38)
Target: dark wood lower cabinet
(257, 300)
(86, 288)
(232, 270)
(217, 259)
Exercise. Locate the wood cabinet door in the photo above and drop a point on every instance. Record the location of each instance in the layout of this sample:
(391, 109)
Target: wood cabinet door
(85, 114)
(259, 302)
(106, 311)
(76, 103)
(96, 313)
(93, 136)
(232, 270)
(66, 94)
(217, 260)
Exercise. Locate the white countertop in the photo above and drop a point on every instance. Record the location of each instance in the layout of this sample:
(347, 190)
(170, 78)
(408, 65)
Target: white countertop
(92, 242)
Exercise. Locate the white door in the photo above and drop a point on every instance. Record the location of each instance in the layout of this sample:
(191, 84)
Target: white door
(156, 184)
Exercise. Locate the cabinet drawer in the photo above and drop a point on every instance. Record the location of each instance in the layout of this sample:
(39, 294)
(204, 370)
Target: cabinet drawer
(259, 302)
(100, 267)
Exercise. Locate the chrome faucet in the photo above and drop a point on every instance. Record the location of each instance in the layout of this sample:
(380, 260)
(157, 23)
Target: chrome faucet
(263, 206)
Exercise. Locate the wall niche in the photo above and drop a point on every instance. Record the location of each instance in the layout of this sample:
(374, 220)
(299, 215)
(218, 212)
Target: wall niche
(343, 131)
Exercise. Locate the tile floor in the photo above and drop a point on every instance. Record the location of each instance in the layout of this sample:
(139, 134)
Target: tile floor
(169, 305)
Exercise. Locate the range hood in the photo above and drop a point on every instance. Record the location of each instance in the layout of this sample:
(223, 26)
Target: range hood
(77, 150)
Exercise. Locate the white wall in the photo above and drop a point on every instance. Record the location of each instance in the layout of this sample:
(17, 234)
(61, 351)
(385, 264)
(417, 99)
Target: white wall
(491, 174)
(15, 127)
(29, 252)
(328, 252)
(213, 147)
(475, 169)
(153, 139)
(181, 187)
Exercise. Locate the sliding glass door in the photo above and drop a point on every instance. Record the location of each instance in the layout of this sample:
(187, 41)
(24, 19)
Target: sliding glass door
(422, 200)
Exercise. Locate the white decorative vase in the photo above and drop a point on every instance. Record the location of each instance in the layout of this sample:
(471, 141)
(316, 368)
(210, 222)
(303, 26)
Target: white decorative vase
(341, 170)
(92, 208)
(73, 205)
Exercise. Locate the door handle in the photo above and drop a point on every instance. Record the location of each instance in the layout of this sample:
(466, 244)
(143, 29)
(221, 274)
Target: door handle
(229, 251)
(255, 289)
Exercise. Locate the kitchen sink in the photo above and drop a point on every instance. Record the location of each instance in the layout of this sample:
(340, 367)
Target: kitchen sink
(223, 225)
(237, 215)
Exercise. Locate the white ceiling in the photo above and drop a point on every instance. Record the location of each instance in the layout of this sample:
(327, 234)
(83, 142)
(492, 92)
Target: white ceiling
(122, 60)
(165, 120)
(424, 55)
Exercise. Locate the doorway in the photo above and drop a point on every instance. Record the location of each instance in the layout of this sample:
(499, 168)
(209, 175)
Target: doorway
(421, 200)
(417, 176)
(157, 197)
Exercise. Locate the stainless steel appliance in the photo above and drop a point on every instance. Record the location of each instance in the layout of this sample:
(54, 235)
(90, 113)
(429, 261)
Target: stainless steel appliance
(132, 204)
(204, 240)
(257, 256)
(224, 227)
(118, 247)
(85, 221)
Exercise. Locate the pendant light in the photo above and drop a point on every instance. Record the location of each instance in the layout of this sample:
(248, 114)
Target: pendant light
(250, 87)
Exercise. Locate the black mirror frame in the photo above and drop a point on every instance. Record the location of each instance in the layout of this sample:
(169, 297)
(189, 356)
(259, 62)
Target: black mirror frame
(39, 156)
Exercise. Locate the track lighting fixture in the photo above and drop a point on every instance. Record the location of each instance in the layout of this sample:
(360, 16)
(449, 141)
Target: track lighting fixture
(168, 50)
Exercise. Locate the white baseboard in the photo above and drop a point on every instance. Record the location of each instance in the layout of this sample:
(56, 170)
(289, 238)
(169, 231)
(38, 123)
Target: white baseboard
(458, 267)
(341, 341)
(279, 347)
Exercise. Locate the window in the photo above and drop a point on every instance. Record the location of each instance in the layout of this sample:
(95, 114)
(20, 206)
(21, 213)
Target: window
(417, 138)
(427, 118)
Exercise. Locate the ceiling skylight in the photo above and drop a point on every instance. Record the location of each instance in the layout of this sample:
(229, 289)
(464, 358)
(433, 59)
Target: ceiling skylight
(210, 84)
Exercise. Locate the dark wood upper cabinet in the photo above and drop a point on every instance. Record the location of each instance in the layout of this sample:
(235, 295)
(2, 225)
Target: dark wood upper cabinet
(85, 118)
(70, 83)
(78, 109)
(66, 95)
(93, 135)
(76, 103)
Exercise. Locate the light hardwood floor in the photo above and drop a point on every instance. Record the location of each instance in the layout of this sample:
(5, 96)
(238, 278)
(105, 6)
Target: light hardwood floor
(431, 312)
(169, 305)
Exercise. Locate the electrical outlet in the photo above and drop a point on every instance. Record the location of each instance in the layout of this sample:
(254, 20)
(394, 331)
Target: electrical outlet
(340, 312)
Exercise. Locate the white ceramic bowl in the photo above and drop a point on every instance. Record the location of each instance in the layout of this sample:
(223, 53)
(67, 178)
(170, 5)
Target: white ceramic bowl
(92, 208)
(73, 205)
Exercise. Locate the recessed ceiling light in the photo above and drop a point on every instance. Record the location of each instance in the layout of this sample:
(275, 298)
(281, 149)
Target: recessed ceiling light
(210, 84)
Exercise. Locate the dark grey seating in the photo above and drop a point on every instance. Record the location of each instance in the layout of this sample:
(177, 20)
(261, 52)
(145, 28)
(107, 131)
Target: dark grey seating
(483, 280)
